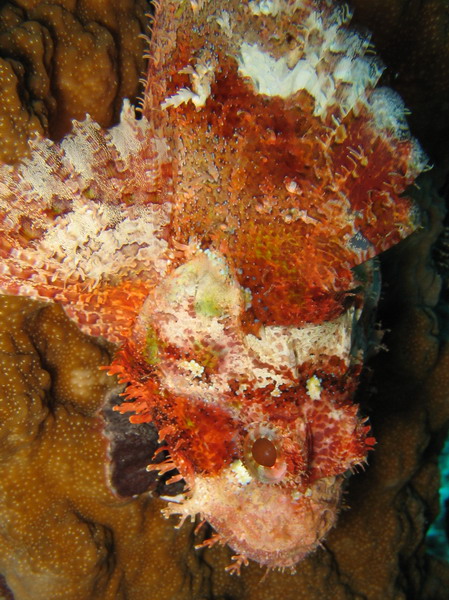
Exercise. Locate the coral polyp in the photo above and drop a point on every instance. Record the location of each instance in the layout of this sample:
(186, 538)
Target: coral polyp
(224, 241)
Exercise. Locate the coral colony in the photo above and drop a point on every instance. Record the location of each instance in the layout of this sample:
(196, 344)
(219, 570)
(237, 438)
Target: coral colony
(215, 239)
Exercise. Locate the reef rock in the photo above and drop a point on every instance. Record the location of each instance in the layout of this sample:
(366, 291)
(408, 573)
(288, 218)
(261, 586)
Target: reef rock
(63, 59)
(64, 534)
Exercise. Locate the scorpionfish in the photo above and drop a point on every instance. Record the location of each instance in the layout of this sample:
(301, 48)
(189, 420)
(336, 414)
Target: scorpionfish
(223, 241)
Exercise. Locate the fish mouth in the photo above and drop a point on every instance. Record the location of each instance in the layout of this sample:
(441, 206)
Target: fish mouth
(273, 525)
(281, 531)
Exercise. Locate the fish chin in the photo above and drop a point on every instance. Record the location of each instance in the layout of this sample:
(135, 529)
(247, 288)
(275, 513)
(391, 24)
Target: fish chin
(273, 525)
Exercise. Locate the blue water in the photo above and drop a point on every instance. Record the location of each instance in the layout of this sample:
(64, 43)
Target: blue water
(437, 540)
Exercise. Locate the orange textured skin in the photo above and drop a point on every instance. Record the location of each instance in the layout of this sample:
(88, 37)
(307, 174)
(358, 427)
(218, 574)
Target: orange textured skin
(261, 145)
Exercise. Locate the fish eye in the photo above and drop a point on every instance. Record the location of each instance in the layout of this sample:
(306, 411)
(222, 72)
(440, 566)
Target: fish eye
(262, 453)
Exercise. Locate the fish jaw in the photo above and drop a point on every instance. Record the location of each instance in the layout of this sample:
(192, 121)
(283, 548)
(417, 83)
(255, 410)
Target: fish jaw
(273, 526)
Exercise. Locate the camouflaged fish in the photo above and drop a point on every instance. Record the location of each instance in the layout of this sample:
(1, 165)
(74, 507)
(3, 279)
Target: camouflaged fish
(222, 241)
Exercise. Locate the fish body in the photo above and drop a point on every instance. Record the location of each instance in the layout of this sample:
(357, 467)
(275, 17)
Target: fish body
(222, 240)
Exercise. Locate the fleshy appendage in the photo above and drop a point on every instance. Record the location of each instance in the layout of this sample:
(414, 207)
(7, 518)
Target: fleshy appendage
(84, 222)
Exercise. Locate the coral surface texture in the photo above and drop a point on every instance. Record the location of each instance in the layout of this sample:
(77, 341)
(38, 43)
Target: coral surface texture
(63, 59)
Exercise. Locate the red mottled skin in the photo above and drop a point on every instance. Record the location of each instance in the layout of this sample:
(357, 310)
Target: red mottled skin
(216, 240)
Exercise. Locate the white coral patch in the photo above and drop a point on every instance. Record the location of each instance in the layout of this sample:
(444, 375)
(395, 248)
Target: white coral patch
(328, 61)
(274, 7)
(201, 77)
(224, 22)
(192, 367)
(98, 242)
(129, 135)
(197, 5)
(80, 147)
(265, 7)
(273, 77)
(388, 110)
(38, 171)
(389, 114)
(288, 346)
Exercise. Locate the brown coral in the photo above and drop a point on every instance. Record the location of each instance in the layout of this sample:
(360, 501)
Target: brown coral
(64, 59)
(63, 533)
